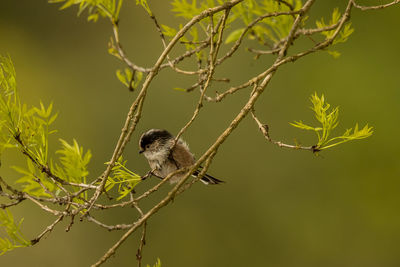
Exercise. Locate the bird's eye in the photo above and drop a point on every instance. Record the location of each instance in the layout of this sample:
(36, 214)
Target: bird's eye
(147, 146)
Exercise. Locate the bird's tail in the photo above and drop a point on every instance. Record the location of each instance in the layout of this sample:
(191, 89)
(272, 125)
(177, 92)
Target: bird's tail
(208, 179)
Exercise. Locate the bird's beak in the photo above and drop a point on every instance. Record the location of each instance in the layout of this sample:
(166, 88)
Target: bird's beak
(141, 151)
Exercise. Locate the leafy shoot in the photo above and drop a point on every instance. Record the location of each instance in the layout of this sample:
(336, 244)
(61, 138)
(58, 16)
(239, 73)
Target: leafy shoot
(15, 238)
(328, 119)
(122, 177)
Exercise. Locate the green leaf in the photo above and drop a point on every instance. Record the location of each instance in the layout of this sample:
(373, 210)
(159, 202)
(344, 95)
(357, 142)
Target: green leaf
(53, 118)
(145, 5)
(334, 54)
(234, 36)
(138, 79)
(168, 31)
(301, 125)
(93, 17)
(95, 8)
(122, 78)
(157, 264)
(179, 89)
(183, 8)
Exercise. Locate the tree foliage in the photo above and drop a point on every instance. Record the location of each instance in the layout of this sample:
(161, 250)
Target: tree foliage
(15, 238)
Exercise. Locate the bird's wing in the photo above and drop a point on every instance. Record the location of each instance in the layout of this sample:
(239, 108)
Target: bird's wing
(181, 155)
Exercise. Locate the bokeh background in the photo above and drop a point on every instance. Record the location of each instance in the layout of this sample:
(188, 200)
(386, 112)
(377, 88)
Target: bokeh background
(279, 207)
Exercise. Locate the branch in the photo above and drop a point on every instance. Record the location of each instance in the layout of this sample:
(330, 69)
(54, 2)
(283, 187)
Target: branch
(141, 245)
(108, 227)
(45, 169)
(121, 52)
(263, 52)
(14, 203)
(143, 238)
(47, 230)
(265, 131)
(363, 8)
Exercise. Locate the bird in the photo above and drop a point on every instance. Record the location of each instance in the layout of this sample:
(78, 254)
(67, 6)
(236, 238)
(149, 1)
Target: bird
(165, 156)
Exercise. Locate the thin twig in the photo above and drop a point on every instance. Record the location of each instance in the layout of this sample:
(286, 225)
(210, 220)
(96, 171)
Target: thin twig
(46, 190)
(44, 207)
(121, 52)
(363, 8)
(264, 52)
(139, 252)
(70, 223)
(265, 131)
(47, 230)
(141, 245)
(7, 205)
(290, 6)
(108, 227)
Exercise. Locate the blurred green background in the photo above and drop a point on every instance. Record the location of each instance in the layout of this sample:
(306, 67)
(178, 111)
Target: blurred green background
(279, 207)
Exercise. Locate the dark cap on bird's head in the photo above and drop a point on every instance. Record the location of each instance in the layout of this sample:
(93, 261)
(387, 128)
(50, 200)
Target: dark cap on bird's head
(151, 136)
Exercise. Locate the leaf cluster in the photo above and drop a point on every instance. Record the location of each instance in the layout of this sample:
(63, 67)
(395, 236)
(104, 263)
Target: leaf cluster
(272, 29)
(30, 126)
(268, 30)
(73, 168)
(95, 8)
(122, 178)
(189, 9)
(157, 264)
(28, 129)
(31, 178)
(328, 119)
(129, 78)
(25, 128)
(15, 238)
(10, 108)
(74, 162)
(328, 34)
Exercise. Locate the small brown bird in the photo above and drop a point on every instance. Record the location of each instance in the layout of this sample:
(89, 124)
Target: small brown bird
(158, 148)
